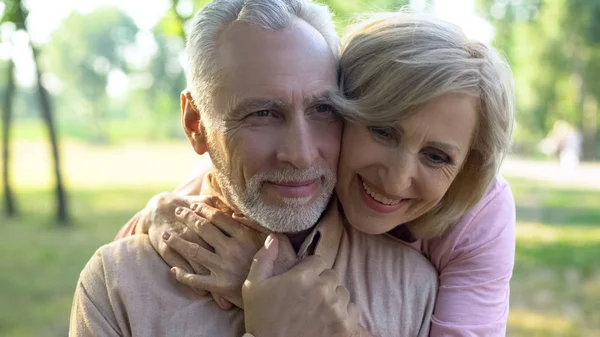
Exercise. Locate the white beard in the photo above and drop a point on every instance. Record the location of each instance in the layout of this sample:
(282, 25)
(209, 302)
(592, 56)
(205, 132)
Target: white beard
(297, 215)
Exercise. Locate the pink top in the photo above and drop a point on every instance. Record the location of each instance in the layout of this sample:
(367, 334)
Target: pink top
(474, 259)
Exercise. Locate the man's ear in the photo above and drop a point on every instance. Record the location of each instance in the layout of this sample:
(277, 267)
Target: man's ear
(192, 123)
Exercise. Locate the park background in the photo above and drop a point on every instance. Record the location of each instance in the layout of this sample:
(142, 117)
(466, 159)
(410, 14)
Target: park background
(99, 81)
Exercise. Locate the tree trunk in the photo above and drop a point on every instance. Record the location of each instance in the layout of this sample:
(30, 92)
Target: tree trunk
(9, 201)
(47, 115)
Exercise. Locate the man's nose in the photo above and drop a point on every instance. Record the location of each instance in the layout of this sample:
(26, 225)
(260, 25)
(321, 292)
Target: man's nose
(298, 147)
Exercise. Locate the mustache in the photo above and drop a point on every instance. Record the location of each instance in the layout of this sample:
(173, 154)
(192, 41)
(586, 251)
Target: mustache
(289, 174)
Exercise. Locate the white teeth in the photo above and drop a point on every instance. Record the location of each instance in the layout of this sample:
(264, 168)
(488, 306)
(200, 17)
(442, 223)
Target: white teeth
(379, 197)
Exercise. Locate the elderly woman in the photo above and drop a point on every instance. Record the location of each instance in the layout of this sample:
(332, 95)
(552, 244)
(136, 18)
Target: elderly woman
(429, 115)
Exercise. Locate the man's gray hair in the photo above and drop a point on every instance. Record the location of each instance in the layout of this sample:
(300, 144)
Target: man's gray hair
(204, 70)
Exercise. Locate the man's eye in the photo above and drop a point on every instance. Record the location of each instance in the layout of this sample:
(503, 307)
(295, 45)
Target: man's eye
(324, 108)
(262, 113)
(385, 133)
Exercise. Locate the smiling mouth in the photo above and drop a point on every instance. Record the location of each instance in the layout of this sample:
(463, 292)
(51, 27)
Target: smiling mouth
(295, 189)
(378, 197)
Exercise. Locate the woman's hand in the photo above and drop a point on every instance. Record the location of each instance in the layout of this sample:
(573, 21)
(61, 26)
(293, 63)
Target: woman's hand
(159, 216)
(233, 247)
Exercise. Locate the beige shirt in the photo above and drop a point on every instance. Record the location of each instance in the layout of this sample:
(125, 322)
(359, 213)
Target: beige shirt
(126, 288)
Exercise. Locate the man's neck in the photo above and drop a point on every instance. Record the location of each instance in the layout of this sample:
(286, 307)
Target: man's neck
(296, 239)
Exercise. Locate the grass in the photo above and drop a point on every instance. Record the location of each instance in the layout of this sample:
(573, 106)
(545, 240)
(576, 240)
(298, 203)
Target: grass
(41, 261)
(556, 282)
(555, 288)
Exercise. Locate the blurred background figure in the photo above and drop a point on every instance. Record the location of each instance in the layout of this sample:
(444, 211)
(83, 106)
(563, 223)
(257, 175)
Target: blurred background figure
(565, 142)
(90, 130)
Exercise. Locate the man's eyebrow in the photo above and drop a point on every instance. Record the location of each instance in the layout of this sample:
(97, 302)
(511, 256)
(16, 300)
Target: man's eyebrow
(327, 96)
(253, 104)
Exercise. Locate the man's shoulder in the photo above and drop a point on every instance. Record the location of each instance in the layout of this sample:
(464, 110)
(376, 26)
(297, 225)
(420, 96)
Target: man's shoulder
(128, 280)
(121, 263)
(131, 250)
(376, 265)
(388, 251)
(417, 264)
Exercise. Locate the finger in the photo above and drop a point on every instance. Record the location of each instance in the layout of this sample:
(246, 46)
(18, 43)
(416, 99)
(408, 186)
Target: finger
(311, 266)
(204, 228)
(286, 257)
(217, 203)
(263, 263)
(249, 223)
(353, 312)
(222, 302)
(197, 282)
(174, 259)
(243, 220)
(343, 294)
(222, 221)
(171, 257)
(191, 251)
(330, 276)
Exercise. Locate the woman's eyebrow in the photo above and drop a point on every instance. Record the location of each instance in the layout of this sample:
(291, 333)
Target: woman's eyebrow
(448, 147)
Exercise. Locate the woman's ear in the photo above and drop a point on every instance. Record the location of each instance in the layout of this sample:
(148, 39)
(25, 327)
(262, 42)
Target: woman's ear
(192, 123)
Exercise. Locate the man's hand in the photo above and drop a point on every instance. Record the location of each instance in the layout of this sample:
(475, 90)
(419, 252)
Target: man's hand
(307, 300)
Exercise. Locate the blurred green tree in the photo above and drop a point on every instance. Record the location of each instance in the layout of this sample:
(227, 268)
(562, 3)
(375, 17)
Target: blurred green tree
(16, 14)
(83, 53)
(10, 206)
(554, 50)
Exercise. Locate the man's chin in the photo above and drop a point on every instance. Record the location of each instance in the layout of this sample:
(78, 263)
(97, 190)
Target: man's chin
(287, 219)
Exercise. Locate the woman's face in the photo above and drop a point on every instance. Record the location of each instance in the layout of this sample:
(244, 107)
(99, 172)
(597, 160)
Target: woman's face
(391, 175)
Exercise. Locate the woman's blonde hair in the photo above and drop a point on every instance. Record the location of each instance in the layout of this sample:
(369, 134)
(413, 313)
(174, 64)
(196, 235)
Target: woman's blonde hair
(392, 64)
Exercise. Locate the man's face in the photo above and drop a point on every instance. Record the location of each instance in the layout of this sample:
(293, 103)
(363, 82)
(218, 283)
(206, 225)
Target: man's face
(275, 139)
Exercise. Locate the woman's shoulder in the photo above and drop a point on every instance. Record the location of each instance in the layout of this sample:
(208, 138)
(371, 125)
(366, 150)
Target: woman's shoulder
(497, 202)
(489, 226)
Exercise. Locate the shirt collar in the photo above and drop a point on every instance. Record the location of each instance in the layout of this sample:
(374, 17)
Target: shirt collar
(325, 238)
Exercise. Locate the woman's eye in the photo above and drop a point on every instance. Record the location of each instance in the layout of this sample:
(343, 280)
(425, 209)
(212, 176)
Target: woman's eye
(386, 133)
(437, 157)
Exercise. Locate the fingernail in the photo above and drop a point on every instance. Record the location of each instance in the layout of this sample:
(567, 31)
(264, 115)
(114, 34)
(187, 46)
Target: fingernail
(268, 241)
(178, 210)
(166, 236)
(173, 271)
(194, 207)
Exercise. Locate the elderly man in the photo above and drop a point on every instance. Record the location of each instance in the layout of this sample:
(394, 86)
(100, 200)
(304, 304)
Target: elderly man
(262, 73)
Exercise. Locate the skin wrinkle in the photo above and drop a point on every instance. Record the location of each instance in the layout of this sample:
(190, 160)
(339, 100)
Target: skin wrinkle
(295, 139)
(399, 164)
